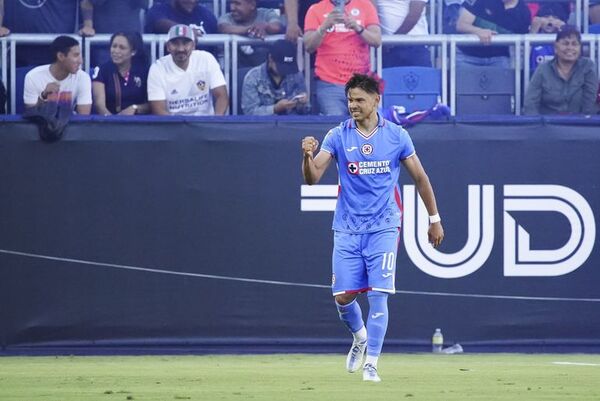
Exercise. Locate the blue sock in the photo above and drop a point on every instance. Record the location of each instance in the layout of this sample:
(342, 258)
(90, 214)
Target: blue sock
(377, 322)
(351, 315)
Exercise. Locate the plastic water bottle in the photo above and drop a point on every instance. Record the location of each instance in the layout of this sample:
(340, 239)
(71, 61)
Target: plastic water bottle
(437, 341)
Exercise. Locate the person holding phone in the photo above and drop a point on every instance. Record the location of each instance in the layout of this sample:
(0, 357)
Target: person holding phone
(276, 86)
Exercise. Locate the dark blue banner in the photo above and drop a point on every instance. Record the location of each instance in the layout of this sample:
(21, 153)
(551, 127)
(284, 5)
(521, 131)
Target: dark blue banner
(201, 232)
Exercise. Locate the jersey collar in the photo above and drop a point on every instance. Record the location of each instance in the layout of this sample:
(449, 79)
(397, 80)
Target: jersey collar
(380, 123)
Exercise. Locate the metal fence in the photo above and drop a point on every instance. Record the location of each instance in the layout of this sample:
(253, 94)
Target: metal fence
(443, 51)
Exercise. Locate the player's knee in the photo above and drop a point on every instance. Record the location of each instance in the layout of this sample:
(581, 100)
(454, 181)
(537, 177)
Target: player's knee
(377, 295)
(344, 299)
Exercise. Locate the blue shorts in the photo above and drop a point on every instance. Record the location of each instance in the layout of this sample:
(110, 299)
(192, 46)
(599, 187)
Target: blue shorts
(364, 262)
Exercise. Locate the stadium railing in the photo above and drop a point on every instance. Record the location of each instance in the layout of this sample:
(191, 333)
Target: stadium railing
(443, 56)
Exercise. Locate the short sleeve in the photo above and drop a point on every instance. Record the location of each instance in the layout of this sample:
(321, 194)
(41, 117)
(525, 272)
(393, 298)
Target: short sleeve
(216, 75)
(330, 141)
(84, 88)
(155, 89)
(371, 17)
(406, 145)
(100, 74)
(30, 92)
(311, 21)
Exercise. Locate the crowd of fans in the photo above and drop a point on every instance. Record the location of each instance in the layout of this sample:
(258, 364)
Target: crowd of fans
(189, 79)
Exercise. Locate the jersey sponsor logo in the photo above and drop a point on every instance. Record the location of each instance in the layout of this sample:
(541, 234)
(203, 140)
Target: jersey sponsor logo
(376, 315)
(366, 149)
(174, 92)
(386, 275)
(137, 81)
(370, 167)
(351, 148)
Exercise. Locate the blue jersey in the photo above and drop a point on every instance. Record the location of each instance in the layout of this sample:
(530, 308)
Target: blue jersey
(368, 167)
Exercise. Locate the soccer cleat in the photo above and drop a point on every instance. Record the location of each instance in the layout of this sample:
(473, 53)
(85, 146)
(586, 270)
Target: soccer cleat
(356, 355)
(370, 373)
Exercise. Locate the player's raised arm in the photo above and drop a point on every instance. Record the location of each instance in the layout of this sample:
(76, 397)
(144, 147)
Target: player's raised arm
(313, 167)
(414, 167)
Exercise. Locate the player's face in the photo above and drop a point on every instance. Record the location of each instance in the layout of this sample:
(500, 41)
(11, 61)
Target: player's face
(72, 60)
(567, 49)
(180, 49)
(362, 104)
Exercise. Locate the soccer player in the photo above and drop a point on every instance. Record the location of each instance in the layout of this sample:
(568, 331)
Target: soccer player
(368, 151)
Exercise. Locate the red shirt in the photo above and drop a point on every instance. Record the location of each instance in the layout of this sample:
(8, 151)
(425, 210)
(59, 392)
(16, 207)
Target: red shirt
(342, 52)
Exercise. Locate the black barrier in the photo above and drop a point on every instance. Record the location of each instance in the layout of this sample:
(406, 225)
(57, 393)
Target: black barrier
(190, 232)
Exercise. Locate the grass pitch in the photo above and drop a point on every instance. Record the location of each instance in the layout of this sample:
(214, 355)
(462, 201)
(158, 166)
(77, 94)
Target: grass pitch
(489, 377)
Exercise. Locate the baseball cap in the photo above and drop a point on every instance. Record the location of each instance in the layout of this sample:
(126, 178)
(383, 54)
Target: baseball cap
(181, 31)
(284, 55)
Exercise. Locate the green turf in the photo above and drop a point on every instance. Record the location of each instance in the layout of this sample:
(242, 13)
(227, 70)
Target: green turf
(489, 377)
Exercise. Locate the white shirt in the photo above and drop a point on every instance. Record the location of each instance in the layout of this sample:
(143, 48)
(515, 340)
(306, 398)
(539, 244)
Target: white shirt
(392, 14)
(78, 86)
(187, 92)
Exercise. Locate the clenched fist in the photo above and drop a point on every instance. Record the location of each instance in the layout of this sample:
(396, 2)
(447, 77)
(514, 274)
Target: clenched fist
(309, 145)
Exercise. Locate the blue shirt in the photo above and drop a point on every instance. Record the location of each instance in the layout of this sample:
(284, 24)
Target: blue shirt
(540, 54)
(368, 168)
(119, 90)
(200, 16)
(34, 16)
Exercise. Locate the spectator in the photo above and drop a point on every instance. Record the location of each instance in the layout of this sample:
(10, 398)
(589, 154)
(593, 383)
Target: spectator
(486, 18)
(404, 17)
(32, 16)
(568, 83)
(110, 16)
(248, 20)
(163, 16)
(276, 86)
(186, 81)
(120, 85)
(450, 12)
(62, 79)
(549, 19)
(295, 12)
(341, 40)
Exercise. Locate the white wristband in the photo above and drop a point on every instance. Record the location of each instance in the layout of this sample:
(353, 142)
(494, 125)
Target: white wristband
(435, 218)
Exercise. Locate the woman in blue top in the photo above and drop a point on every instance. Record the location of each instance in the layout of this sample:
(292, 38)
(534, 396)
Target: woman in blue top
(119, 86)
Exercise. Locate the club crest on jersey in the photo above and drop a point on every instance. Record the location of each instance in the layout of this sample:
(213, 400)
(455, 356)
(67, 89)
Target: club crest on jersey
(201, 85)
(366, 149)
(353, 168)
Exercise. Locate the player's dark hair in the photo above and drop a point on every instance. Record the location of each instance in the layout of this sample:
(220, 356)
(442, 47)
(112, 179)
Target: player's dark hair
(365, 82)
(566, 31)
(62, 44)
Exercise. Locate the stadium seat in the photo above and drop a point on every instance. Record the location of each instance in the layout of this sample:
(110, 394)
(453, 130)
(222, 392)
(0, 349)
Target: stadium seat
(415, 88)
(20, 84)
(594, 28)
(485, 90)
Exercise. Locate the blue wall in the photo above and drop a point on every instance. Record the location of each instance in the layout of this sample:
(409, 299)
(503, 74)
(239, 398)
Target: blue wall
(190, 232)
